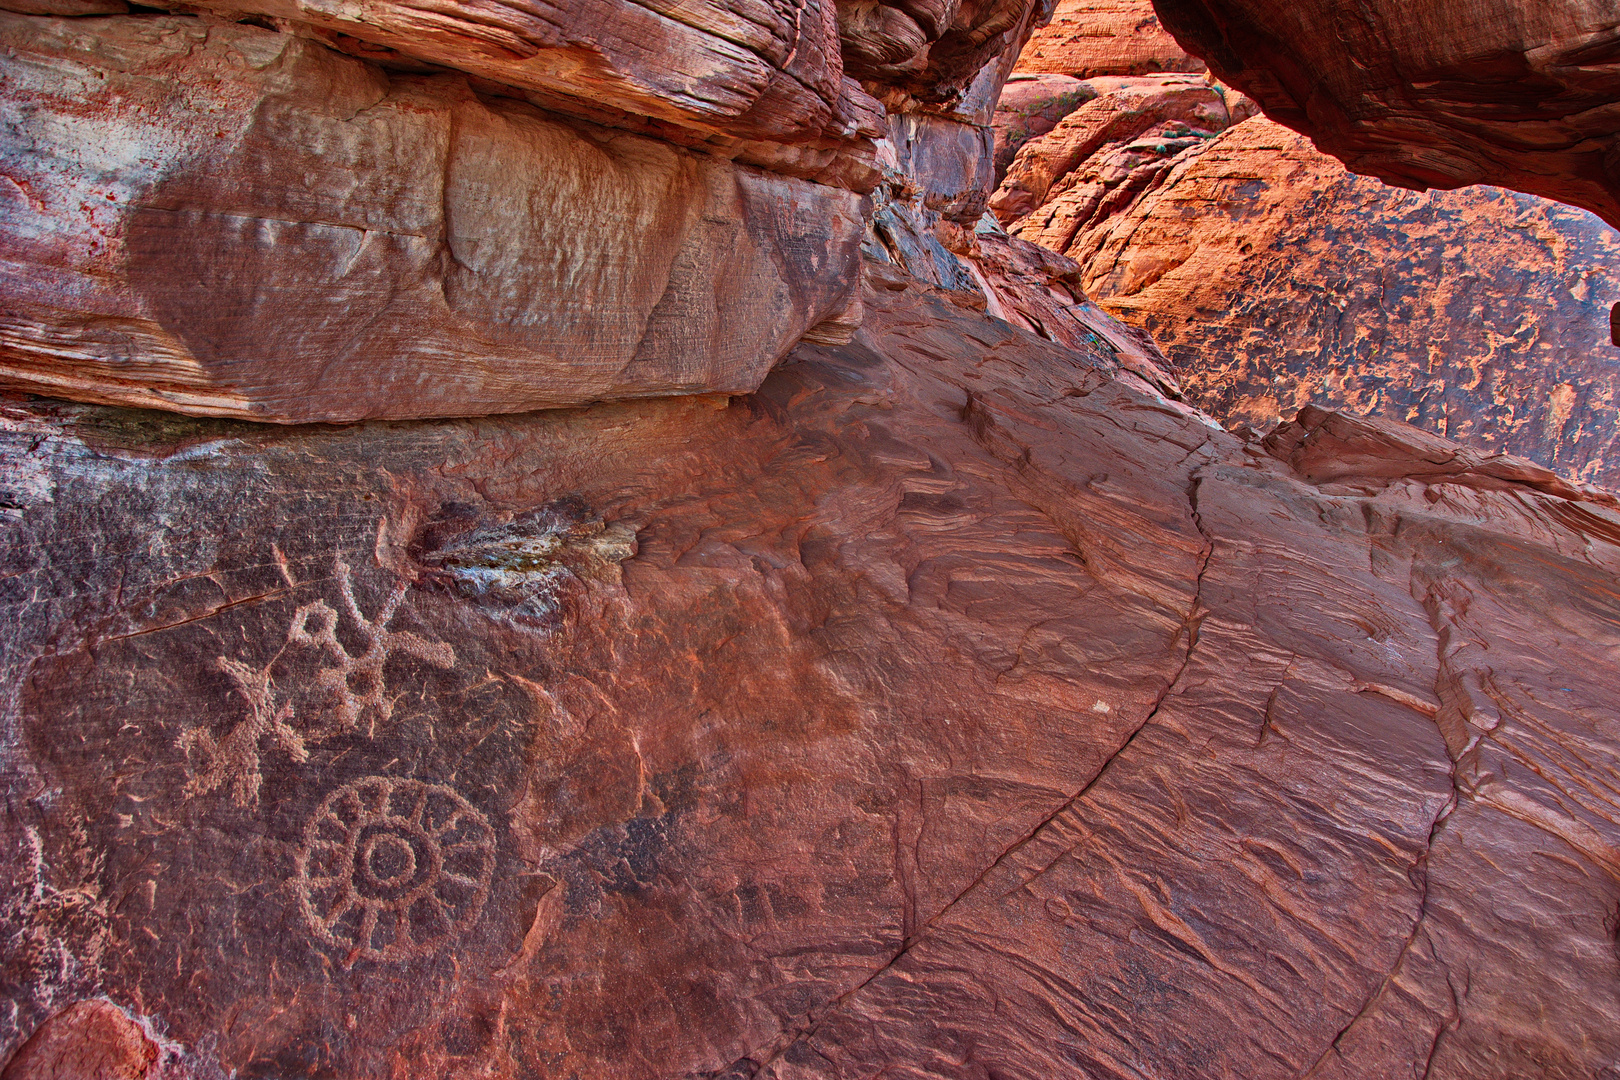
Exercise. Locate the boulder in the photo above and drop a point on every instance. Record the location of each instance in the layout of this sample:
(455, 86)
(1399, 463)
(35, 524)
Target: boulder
(955, 705)
(223, 219)
(1274, 278)
(1517, 93)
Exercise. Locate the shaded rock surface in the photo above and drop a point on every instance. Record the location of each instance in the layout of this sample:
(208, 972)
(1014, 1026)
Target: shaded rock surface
(223, 219)
(956, 705)
(1104, 37)
(1518, 93)
(1274, 278)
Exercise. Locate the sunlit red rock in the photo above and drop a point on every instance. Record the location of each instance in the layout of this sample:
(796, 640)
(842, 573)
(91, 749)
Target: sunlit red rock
(1087, 38)
(1101, 154)
(1273, 278)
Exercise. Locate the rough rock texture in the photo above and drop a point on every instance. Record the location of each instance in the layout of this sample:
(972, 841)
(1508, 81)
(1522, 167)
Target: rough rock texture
(88, 1040)
(1104, 37)
(1274, 278)
(954, 706)
(227, 220)
(1519, 93)
(1099, 156)
(1031, 105)
(763, 81)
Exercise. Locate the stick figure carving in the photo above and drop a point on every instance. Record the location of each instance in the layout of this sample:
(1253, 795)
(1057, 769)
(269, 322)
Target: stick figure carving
(348, 687)
(355, 683)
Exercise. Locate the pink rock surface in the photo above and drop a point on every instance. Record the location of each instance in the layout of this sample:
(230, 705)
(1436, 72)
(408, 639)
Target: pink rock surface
(1105, 37)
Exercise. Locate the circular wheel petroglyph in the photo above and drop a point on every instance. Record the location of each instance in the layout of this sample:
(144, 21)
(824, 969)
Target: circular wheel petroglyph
(391, 869)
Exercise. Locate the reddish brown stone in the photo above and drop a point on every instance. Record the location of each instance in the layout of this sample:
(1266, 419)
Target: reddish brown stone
(227, 220)
(1440, 94)
(1274, 278)
(88, 1040)
(954, 706)
(1087, 38)
(1101, 154)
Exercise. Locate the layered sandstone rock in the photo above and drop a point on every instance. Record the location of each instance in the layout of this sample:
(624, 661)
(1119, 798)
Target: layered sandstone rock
(1518, 93)
(1029, 106)
(954, 705)
(1273, 278)
(1101, 155)
(761, 81)
(1087, 38)
(224, 219)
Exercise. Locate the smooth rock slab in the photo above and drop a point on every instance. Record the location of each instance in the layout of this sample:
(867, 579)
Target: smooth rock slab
(954, 706)
(220, 219)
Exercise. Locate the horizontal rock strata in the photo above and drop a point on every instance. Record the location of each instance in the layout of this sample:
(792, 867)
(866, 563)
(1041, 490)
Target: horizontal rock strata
(955, 706)
(227, 220)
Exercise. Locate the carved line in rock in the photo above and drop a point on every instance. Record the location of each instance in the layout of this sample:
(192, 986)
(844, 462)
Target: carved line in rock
(390, 869)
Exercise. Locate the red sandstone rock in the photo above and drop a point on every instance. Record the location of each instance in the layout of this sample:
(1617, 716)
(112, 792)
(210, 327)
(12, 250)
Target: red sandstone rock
(1031, 105)
(223, 219)
(89, 1040)
(1101, 154)
(1518, 93)
(954, 706)
(1274, 278)
(1087, 38)
(764, 81)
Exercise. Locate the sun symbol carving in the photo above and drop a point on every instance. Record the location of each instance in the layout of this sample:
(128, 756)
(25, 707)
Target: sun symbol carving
(391, 869)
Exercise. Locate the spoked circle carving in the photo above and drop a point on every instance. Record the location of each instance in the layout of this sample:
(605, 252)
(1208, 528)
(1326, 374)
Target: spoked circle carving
(391, 869)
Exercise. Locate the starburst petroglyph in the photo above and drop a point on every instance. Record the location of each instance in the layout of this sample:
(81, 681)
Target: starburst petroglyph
(393, 868)
(350, 686)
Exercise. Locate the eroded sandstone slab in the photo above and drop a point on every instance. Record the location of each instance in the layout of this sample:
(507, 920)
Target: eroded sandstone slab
(1517, 93)
(955, 705)
(1274, 278)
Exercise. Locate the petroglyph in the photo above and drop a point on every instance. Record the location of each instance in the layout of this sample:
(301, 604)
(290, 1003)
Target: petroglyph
(346, 689)
(391, 869)
(234, 760)
(354, 683)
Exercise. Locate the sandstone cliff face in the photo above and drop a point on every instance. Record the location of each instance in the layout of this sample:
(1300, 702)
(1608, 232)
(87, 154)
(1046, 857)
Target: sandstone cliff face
(1087, 38)
(224, 219)
(1273, 278)
(956, 704)
(1518, 93)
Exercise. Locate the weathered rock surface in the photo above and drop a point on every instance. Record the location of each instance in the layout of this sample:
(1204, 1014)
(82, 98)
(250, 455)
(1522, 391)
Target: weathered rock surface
(1087, 38)
(1097, 158)
(227, 220)
(1274, 278)
(955, 706)
(761, 81)
(1031, 105)
(1519, 93)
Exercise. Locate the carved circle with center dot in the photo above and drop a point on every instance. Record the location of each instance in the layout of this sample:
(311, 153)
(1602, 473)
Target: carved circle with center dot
(391, 868)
